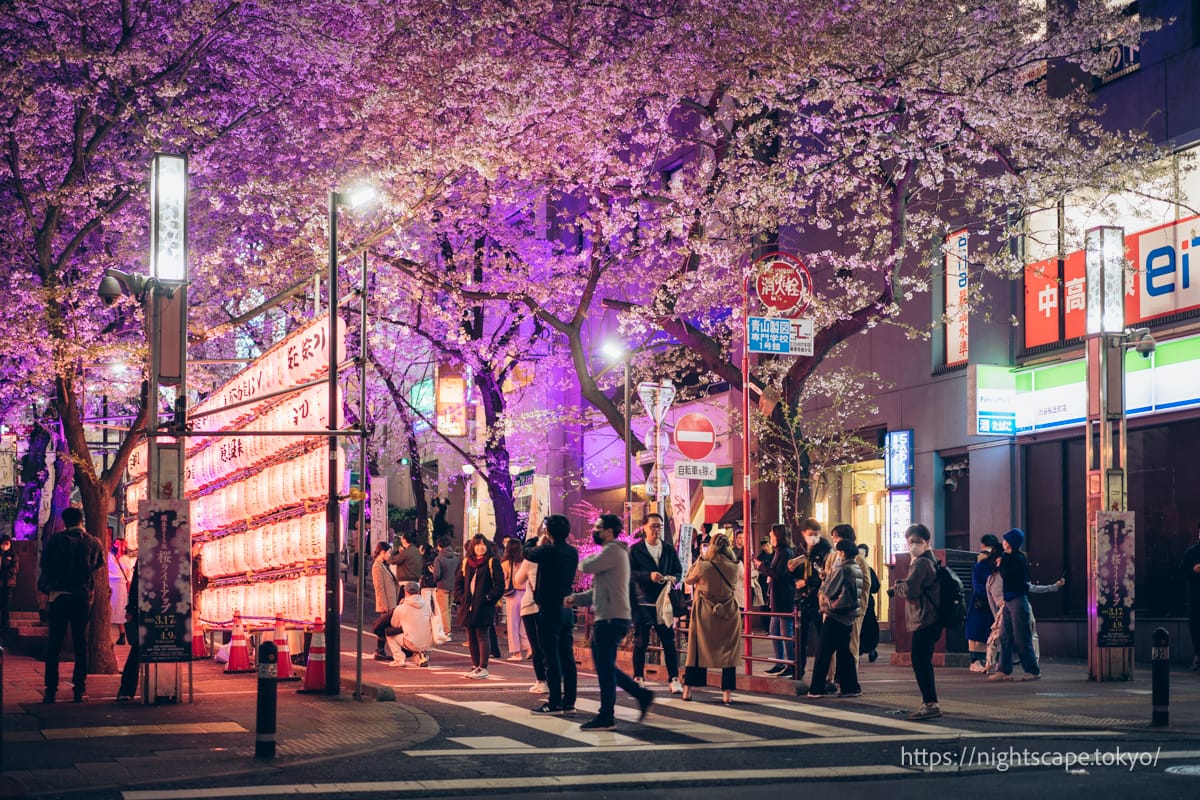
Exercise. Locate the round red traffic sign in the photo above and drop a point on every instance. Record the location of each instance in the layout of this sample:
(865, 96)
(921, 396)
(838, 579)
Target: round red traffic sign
(695, 436)
(782, 282)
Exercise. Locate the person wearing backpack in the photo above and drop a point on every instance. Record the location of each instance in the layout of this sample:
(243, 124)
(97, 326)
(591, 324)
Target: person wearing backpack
(840, 606)
(1016, 624)
(920, 591)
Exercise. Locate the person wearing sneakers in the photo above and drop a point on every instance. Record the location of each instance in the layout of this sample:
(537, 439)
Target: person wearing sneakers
(477, 589)
(386, 597)
(653, 567)
(556, 561)
(527, 576)
(1191, 574)
(69, 563)
(920, 593)
(840, 606)
(411, 631)
(979, 610)
(514, 593)
(610, 597)
(1016, 626)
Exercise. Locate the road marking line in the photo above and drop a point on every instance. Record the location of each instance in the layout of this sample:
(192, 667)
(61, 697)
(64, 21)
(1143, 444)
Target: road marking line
(109, 731)
(696, 730)
(829, 712)
(558, 726)
(537, 782)
(490, 743)
(802, 726)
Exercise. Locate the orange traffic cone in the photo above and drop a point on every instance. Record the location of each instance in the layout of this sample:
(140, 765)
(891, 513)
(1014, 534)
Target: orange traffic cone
(314, 674)
(284, 665)
(199, 643)
(239, 656)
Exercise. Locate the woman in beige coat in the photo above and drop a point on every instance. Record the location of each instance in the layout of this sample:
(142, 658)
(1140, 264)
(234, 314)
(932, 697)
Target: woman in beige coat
(715, 627)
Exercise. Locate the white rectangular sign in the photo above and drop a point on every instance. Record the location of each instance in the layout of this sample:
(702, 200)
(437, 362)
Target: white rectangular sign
(696, 470)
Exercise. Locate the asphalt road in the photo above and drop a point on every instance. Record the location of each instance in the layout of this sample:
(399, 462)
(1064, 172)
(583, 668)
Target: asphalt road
(489, 744)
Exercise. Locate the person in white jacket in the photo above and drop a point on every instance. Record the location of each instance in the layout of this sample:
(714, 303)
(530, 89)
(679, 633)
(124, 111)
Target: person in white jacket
(411, 631)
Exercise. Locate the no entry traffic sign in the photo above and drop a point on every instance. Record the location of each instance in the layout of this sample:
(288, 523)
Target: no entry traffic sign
(695, 436)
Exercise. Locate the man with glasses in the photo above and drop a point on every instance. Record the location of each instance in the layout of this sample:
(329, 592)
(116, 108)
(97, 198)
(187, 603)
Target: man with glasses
(654, 567)
(610, 596)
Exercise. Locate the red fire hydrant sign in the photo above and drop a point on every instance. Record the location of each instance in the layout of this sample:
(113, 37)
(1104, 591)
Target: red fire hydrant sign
(782, 282)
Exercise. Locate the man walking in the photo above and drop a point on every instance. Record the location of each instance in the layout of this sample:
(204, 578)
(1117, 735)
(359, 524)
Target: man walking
(1191, 575)
(610, 596)
(386, 597)
(654, 566)
(920, 590)
(10, 565)
(69, 564)
(1016, 624)
(556, 561)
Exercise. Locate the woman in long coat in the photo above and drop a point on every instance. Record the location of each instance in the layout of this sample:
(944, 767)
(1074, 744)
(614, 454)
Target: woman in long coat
(478, 587)
(715, 627)
(979, 612)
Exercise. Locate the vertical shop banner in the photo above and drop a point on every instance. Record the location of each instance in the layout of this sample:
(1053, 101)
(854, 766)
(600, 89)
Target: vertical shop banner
(957, 298)
(451, 394)
(164, 582)
(1115, 537)
(379, 513)
(1041, 303)
(684, 546)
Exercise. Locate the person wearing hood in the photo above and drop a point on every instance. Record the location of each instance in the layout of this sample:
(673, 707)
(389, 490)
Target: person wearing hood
(411, 631)
(806, 568)
(979, 611)
(1016, 625)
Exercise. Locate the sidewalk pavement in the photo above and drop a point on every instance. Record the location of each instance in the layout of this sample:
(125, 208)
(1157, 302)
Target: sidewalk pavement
(68, 748)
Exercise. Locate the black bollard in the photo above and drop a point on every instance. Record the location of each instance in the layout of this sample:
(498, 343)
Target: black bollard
(1160, 680)
(264, 742)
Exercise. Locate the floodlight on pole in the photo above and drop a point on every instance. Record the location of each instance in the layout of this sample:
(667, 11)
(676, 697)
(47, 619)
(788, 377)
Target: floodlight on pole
(1104, 251)
(616, 351)
(168, 218)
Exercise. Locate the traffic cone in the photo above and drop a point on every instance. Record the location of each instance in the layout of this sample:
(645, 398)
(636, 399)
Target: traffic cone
(314, 674)
(284, 665)
(199, 643)
(239, 655)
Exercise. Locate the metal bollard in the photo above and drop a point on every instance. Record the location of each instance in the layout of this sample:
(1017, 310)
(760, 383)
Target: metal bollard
(264, 742)
(1160, 680)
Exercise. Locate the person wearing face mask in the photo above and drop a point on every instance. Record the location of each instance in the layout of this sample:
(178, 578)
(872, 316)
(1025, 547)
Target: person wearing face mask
(807, 580)
(839, 596)
(654, 567)
(845, 533)
(920, 592)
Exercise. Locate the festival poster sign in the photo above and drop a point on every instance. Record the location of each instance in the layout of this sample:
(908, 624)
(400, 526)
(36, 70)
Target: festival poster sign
(1115, 537)
(164, 582)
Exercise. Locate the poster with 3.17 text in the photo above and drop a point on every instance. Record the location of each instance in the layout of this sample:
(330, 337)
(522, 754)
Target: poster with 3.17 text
(164, 582)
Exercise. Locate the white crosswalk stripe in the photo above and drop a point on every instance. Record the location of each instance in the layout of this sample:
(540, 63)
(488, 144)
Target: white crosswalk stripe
(753, 721)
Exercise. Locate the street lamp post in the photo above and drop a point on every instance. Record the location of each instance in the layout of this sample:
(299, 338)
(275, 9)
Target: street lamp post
(1110, 617)
(468, 471)
(614, 351)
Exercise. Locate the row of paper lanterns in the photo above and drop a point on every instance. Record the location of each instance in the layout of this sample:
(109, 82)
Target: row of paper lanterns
(308, 410)
(279, 486)
(272, 546)
(299, 598)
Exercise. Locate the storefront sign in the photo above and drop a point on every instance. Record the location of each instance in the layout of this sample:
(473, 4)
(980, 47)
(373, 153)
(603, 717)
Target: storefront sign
(451, 400)
(899, 517)
(898, 458)
(954, 250)
(164, 582)
(1115, 537)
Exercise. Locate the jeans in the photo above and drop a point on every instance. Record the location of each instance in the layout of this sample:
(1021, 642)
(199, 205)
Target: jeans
(784, 626)
(835, 640)
(1016, 635)
(530, 623)
(606, 638)
(68, 609)
(924, 640)
(556, 635)
(641, 641)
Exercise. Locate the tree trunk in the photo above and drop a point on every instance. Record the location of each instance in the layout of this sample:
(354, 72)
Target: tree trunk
(495, 449)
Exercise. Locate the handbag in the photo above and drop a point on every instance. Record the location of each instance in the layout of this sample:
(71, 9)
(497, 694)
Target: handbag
(664, 612)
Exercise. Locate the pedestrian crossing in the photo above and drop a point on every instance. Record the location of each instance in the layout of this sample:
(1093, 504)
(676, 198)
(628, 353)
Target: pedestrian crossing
(704, 723)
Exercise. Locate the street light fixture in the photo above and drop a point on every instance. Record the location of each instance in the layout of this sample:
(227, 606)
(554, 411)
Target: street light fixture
(468, 471)
(616, 351)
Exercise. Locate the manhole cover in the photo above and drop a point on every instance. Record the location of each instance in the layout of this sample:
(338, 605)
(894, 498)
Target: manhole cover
(1185, 769)
(1065, 694)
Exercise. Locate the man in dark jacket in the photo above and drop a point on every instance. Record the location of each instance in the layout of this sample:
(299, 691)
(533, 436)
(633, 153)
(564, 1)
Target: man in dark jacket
(1016, 626)
(653, 566)
(1191, 574)
(920, 593)
(129, 673)
(69, 563)
(407, 559)
(556, 560)
(10, 565)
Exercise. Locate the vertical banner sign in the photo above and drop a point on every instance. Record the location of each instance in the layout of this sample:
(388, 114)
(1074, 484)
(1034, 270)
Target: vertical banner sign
(957, 302)
(899, 517)
(379, 515)
(898, 458)
(164, 582)
(1115, 537)
(684, 546)
(451, 400)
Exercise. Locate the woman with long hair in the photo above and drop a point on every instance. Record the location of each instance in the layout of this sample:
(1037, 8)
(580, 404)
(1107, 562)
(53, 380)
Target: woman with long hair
(715, 624)
(782, 600)
(514, 593)
(477, 589)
